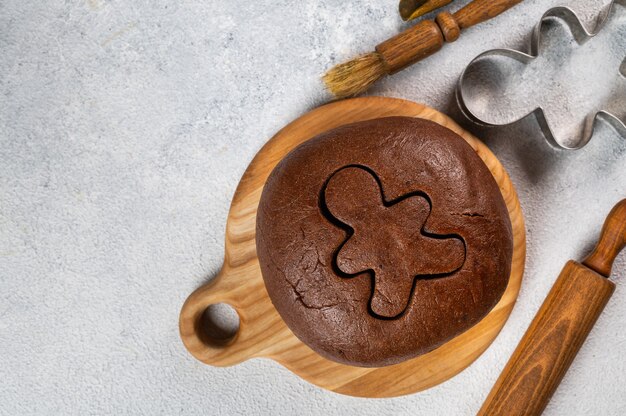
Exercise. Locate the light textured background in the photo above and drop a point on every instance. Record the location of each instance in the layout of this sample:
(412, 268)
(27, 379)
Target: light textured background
(124, 129)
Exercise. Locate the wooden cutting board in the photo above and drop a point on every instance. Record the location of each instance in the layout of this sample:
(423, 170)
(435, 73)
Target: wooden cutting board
(262, 333)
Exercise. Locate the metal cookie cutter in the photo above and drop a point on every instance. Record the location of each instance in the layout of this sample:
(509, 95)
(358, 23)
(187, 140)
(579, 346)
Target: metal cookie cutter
(570, 78)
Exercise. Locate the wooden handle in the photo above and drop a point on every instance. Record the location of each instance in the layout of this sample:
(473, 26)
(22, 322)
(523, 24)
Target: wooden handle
(190, 319)
(203, 346)
(427, 37)
(612, 241)
(550, 344)
(479, 11)
(561, 326)
(409, 9)
(410, 46)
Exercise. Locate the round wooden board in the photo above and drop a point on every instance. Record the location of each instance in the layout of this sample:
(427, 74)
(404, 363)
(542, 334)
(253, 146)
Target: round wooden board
(262, 332)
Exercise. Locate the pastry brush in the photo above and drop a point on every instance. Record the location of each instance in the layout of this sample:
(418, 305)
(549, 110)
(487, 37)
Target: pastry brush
(412, 45)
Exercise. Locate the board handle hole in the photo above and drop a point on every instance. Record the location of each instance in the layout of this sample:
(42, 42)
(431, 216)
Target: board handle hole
(219, 324)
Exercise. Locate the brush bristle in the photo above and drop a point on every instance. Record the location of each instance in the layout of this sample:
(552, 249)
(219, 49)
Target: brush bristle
(355, 76)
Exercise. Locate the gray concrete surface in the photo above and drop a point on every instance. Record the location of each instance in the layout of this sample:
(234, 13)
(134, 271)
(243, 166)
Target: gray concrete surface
(124, 129)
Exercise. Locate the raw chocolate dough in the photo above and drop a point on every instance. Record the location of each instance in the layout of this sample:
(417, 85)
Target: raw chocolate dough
(381, 240)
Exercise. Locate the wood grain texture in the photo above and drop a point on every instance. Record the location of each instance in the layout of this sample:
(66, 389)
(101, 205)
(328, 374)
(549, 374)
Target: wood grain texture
(559, 329)
(612, 241)
(407, 7)
(427, 36)
(422, 9)
(449, 26)
(410, 46)
(479, 11)
(262, 332)
(550, 344)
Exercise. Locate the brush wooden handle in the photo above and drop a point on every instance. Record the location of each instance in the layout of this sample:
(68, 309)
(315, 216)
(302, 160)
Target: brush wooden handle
(410, 10)
(410, 46)
(407, 7)
(428, 36)
(559, 329)
(479, 11)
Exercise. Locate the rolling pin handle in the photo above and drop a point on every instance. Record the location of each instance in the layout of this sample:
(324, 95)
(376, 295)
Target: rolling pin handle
(612, 241)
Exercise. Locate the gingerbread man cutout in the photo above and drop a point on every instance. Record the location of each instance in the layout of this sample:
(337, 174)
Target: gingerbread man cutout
(388, 239)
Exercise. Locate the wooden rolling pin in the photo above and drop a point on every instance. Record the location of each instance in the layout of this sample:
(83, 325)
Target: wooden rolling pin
(560, 327)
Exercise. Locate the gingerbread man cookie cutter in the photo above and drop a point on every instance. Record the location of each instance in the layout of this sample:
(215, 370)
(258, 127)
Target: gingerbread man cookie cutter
(566, 85)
